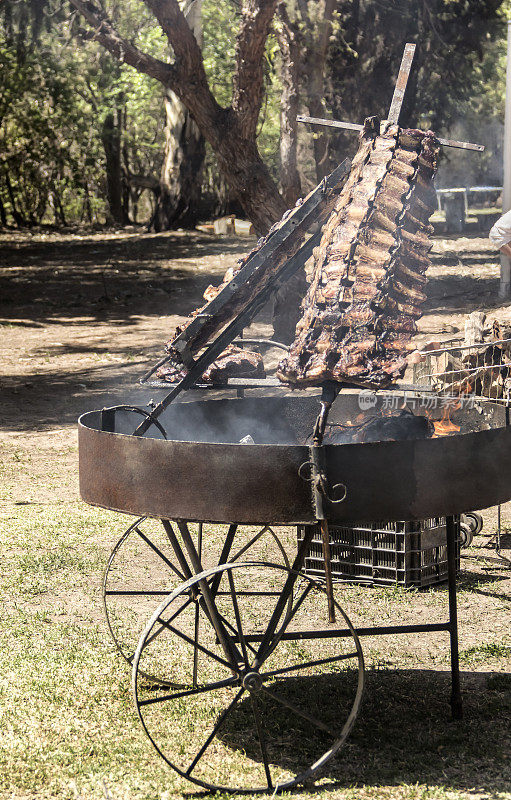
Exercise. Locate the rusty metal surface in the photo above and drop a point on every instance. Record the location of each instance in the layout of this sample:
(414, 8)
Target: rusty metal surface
(330, 123)
(461, 145)
(402, 80)
(353, 126)
(220, 481)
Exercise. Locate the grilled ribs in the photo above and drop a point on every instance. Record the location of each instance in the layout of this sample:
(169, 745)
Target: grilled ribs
(234, 362)
(273, 251)
(368, 281)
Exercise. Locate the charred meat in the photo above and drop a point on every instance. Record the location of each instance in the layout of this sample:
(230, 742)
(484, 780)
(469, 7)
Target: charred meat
(368, 281)
(235, 362)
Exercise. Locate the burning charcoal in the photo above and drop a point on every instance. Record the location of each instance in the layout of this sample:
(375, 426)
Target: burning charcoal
(386, 427)
(368, 281)
(396, 427)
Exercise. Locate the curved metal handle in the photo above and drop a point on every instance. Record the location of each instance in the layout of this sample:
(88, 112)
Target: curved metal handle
(321, 484)
(144, 413)
(301, 471)
(336, 487)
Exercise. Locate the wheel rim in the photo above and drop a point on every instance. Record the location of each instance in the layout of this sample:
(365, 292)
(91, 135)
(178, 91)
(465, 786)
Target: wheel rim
(142, 566)
(126, 595)
(466, 535)
(250, 717)
(474, 521)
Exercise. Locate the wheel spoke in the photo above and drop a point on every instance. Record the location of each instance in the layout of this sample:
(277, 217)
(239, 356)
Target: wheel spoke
(214, 732)
(196, 644)
(188, 692)
(343, 657)
(250, 543)
(231, 652)
(235, 632)
(224, 557)
(262, 741)
(195, 649)
(154, 635)
(237, 615)
(287, 591)
(160, 554)
(272, 644)
(297, 711)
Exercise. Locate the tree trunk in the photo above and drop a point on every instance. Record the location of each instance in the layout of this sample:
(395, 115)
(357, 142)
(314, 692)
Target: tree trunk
(179, 192)
(111, 139)
(248, 177)
(3, 215)
(16, 215)
(289, 106)
(178, 198)
(318, 20)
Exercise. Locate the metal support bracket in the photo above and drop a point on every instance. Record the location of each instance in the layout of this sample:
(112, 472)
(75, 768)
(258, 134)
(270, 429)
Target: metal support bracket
(320, 489)
(395, 107)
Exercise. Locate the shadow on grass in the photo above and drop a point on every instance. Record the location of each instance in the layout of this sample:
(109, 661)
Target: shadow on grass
(403, 735)
(461, 293)
(477, 583)
(42, 400)
(140, 247)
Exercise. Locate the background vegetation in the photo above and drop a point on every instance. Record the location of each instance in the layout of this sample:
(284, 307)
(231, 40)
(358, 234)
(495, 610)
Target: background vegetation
(64, 99)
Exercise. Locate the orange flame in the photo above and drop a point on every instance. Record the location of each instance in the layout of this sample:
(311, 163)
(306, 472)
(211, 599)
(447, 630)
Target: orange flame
(445, 426)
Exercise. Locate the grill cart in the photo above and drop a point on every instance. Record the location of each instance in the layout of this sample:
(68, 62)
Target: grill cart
(255, 637)
(248, 674)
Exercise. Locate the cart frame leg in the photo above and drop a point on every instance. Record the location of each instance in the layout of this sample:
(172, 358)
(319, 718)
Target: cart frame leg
(456, 699)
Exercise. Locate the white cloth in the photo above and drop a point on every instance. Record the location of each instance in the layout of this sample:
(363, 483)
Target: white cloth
(500, 234)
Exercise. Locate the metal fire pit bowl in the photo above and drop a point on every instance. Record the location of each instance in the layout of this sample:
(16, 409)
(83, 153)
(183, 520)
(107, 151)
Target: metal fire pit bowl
(202, 472)
(248, 637)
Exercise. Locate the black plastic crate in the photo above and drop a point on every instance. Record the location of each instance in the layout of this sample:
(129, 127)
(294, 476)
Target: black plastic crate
(384, 553)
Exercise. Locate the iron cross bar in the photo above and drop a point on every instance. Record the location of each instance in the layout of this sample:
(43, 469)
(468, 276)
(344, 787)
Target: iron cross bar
(395, 107)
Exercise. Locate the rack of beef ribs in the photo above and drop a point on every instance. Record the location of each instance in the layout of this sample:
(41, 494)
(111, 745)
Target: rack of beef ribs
(368, 281)
(255, 277)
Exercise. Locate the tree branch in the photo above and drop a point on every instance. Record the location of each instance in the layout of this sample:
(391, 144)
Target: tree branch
(191, 83)
(122, 49)
(248, 77)
(180, 36)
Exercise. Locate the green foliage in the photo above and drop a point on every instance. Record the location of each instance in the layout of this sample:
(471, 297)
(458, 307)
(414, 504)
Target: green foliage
(220, 22)
(55, 91)
(453, 67)
(47, 144)
(57, 87)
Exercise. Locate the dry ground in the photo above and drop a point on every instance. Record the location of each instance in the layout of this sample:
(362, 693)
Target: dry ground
(81, 318)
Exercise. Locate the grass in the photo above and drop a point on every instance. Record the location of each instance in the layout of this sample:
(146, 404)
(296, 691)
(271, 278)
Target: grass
(482, 653)
(70, 730)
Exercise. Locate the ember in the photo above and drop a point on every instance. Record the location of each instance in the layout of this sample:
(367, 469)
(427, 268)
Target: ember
(385, 427)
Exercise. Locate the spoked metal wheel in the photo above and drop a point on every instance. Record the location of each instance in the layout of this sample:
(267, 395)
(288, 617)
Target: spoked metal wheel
(474, 521)
(277, 697)
(149, 561)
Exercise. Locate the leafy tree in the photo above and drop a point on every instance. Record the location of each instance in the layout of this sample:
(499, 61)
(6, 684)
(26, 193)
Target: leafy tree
(368, 41)
(57, 102)
(232, 130)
